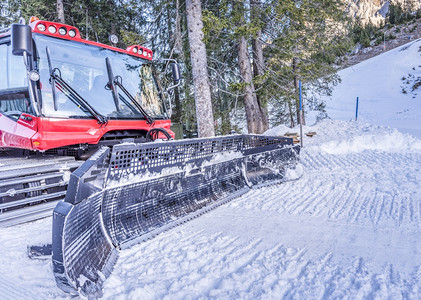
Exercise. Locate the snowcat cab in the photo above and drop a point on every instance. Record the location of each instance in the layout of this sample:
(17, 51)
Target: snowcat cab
(68, 94)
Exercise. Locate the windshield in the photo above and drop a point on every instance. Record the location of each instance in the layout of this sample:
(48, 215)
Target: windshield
(83, 67)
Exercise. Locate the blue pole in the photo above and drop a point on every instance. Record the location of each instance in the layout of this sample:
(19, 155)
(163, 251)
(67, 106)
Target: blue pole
(356, 111)
(301, 116)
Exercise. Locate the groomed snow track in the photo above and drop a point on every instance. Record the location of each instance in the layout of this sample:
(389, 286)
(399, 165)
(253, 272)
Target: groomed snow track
(349, 228)
(133, 192)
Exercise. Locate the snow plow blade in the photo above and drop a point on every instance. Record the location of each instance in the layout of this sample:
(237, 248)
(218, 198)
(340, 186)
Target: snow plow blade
(132, 192)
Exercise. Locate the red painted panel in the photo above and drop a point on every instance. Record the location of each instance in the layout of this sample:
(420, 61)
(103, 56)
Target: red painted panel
(35, 133)
(17, 134)
(55, 132)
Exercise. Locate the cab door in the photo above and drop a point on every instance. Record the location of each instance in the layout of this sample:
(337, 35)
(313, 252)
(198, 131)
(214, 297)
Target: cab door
(17, 120)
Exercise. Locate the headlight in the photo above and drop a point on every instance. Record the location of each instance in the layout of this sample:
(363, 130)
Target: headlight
(41, 27)
(72, 33)
(33, 75)
(52, 29)
(62, 30)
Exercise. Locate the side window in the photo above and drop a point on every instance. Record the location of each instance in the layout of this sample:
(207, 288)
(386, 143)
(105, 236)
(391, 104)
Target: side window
(17, 71)
(3, 67)
(14, 95)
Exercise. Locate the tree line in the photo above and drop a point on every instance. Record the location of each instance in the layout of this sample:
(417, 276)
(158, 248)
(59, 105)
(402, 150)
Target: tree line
(241, 59)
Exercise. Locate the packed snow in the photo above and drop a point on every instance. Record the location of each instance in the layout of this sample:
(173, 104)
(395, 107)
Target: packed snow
(346, 224)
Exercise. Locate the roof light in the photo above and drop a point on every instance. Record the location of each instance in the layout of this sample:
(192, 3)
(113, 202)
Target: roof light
(52, 29)
(62, 30)
(113, 39)
(41, 27)
(72, 33)
(57, 29)
(140, 51)
(33, 19)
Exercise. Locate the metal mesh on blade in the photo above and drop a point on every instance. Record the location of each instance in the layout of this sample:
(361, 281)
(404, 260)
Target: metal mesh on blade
(119, 197)
(139, 208)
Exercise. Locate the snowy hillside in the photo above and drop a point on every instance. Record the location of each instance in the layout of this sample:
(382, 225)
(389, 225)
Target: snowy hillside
(346, 224)
(384, 85)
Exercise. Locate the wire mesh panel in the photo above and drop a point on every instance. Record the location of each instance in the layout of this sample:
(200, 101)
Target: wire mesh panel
(139, 208)
(153, 157)
(134, 191)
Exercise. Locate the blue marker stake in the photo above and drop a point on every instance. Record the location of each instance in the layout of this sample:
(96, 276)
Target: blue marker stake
(356, 111)
(301, 116)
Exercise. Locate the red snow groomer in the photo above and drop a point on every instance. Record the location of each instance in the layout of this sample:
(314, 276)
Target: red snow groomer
(64, 99)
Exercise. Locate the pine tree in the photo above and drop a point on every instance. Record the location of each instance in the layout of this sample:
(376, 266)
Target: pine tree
(306, 39)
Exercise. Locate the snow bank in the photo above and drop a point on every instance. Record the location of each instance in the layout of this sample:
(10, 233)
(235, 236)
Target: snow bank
(394, 142)
(342, 137)
(279, 130)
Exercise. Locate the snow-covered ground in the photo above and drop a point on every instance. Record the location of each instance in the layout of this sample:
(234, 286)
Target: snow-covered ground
(384, 85)
(346, 225)
(349, 226)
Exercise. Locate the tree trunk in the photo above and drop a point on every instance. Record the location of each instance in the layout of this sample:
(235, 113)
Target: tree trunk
(178, 36)
(258, 60)
(258, 69)
(291, 114)
(178, 52)
(60, 11)
(254, 117)
(199, 62)
(177, 114)
(303, 118)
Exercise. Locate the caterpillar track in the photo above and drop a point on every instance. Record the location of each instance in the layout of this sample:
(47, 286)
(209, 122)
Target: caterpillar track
(30, 187)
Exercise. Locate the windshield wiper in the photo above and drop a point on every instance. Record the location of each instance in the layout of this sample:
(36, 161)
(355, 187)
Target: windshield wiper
(56, 79)
(117, 81)
(111, 84)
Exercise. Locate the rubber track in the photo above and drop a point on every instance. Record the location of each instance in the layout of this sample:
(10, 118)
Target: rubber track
(30, 187)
